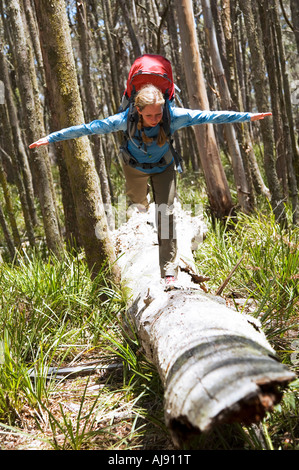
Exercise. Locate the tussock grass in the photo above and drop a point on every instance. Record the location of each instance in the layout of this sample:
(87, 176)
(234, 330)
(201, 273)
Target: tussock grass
(268, 272)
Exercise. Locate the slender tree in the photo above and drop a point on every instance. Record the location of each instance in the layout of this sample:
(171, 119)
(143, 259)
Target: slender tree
(9, 207)
(134, 39)
(280, 99)
(235, 46)
(272, 62)
(91, 105)
(112, 58)
(7, 235)
(226, 103)
(32, 112)
(22, 174)
(291, 149)
(56, 46)
(260, 83)
(217, 187)
(295, 20)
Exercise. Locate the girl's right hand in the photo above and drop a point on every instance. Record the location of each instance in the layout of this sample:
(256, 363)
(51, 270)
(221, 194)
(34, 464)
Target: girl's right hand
(39, 143)
(258, 116)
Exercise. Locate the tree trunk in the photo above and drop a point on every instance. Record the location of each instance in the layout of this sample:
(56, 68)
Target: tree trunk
(57, 49)
(226, 103)
(112, 60)
(288, 120)
(34, 125)
(217, 187)
(187, 137)
(198, 345)
(260, 86)
(92, 111)
(235, 55)
(17, 178)
(9, 207)
(281, 103)
(22, 174)
(229, 63)
(271, 63)
(7, 236)
(33, 30)
(295, 20)
(129, 24)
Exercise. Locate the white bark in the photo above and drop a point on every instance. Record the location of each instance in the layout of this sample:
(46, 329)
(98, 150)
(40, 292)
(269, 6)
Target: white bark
(215, 363)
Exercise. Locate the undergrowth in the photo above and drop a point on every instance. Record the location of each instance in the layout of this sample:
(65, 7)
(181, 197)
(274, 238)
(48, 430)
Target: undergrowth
(260, 260)
(53, 316)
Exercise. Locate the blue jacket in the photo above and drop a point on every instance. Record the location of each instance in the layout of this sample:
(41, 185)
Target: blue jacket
(180, 118)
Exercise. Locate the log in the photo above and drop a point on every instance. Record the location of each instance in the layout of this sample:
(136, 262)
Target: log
(215, 363)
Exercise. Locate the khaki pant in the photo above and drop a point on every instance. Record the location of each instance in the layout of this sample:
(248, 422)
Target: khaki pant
(164, 191)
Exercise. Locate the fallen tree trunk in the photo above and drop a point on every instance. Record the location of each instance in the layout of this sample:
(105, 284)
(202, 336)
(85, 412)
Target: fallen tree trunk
(215, 363)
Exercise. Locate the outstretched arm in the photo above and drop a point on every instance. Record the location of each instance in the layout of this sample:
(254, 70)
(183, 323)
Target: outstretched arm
(117, 122)
(181, 117)
(39, 143)
(258, 116)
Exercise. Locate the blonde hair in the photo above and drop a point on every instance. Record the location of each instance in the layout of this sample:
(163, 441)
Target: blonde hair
(148, 95)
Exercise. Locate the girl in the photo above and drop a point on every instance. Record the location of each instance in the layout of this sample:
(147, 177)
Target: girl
(147, 157)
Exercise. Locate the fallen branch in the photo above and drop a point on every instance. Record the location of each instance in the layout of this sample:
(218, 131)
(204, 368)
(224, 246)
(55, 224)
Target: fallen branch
(70, 372)
(196, 278)
(215, 363)
(224, 284)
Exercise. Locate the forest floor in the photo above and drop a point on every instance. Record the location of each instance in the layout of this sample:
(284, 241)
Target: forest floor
(119, 404)
(91, 410)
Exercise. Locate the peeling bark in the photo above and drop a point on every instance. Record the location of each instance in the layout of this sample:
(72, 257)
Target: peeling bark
(215, 363)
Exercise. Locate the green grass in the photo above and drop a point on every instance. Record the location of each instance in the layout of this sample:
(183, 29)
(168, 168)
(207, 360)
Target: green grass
(265, 283)
(268, 272)
(53, 314)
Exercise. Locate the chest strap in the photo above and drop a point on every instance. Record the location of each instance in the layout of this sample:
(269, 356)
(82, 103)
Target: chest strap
(128, 159)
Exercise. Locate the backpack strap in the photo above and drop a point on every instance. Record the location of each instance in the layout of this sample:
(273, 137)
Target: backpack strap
(132, 127)
(177, 157)
(128, 159)
(166, 126)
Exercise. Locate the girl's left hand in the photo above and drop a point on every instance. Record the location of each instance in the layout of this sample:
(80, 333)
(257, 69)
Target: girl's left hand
(258, 116)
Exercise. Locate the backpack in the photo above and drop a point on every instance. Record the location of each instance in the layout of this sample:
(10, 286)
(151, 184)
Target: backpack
(156, 70)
